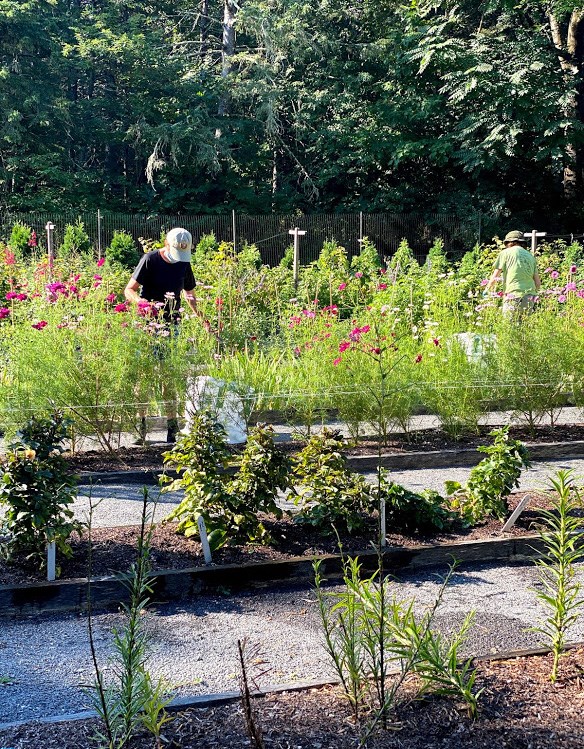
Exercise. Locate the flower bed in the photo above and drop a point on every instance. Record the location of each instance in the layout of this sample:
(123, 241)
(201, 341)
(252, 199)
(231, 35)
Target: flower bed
(519, 707)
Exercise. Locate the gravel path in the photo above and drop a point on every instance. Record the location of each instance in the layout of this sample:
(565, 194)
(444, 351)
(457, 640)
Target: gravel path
(194, 643)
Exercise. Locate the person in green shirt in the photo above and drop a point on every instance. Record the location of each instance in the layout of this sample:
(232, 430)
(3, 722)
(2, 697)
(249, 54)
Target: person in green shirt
(517, 268)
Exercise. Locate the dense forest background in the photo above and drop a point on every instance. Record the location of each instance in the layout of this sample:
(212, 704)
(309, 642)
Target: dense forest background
(284, 105)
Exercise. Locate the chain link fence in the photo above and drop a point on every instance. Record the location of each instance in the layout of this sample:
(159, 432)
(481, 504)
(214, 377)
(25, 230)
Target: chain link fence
(270, 232)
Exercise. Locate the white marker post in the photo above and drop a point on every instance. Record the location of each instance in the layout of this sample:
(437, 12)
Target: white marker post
(204, 540)
(296, 232)
(51, 561)
(533, 235)
(50, 227)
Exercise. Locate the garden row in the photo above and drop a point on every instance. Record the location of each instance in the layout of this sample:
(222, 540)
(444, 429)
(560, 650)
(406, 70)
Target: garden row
(375, 343)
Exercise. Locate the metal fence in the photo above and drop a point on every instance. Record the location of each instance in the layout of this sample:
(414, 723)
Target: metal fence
(270, 232)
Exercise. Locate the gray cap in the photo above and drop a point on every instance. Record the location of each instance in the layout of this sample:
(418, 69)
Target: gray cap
(179, 242)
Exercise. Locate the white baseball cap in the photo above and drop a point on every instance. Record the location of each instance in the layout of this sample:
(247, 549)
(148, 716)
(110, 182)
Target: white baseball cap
(179, 243)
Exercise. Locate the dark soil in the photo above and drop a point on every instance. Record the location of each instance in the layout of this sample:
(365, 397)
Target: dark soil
(518, 709)
(150, 456)
(114, 549)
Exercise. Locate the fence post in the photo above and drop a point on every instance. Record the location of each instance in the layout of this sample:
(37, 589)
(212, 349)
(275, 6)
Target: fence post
(296, 265)
(98, 234)
(360, 230)
(234, 234)
(533, 235)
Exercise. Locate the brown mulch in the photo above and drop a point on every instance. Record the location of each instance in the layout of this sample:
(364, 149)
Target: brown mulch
(518, 709)
(114, 549)
(150, 456)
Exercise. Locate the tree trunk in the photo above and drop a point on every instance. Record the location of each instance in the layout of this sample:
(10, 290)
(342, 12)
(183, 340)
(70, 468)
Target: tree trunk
(227, 49)
(568, 45)
(204, 24)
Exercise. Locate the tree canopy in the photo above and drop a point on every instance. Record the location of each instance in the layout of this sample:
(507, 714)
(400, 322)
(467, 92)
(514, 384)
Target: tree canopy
(286, 105)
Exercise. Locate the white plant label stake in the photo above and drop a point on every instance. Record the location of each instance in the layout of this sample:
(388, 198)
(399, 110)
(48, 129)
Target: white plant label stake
(383, 528)
(204, 540)
(51, 561)
(517, 512)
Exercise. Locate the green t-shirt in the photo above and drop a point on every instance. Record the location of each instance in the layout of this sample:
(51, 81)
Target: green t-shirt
(518, 267)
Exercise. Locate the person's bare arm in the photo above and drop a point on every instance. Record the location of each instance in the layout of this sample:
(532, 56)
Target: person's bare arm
(493, 280)
(131, 291)
(192, 301)
(537, 281)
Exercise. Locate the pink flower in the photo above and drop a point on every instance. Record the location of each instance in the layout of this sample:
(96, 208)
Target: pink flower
(110, 298)
(297, 351)
(342, 286)
(9, 257)
(97, 277)
(40, 325)
(418, 359)
(436, 341)
(294, 320)
(571, 287)
(365, 329)
(309, 313)
(375, 350)
(100, 262)
(11, 295)
(4, 312)
(484, 282)
(358, 274)
(96, 284)
(382, 271)
(122, 307)
(344, 345)
(573, 269)
(21, 297)
(548, 270)
(32, 242)
(218, 302)
(337, 361)
(382, 286)
(555, 274)
(562, 298)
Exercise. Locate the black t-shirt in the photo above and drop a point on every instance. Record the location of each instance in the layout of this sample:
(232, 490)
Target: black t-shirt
(159, 278)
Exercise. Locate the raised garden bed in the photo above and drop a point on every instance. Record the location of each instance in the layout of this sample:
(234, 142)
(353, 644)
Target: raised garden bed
(519, 709)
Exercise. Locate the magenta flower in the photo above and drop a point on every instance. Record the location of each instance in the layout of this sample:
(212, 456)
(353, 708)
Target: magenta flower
(548, 270)
(100, 262)
(122, 307)
(97, 277)
(571, 286)
(4, 312)
(342, 286)
(110, 298)
(418, 359)
(383, 271)
(32, 242)
(562, 298)
(11, 295)
(365, 329)
(40, 325)
(382, 286)
(436, 341)
(21, 297)
(358, 274)
(344, 345)
(375, 350)
(337, 361)
(573, 269)
(309, 313)
(555, 274)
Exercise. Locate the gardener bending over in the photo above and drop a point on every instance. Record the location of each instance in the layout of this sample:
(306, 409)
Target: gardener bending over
(160, 277)
(518, 270)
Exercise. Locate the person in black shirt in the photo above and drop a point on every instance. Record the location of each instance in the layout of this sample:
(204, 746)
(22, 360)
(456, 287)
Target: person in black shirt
(160, 277)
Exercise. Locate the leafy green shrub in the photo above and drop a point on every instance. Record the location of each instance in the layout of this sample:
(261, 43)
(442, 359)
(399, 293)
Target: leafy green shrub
(123, 250)
(491, 481)
(329, 493)
(228, 505)
(19, 239)
(367, 261)
(75, 240)
(37, 491)
(409, 511)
